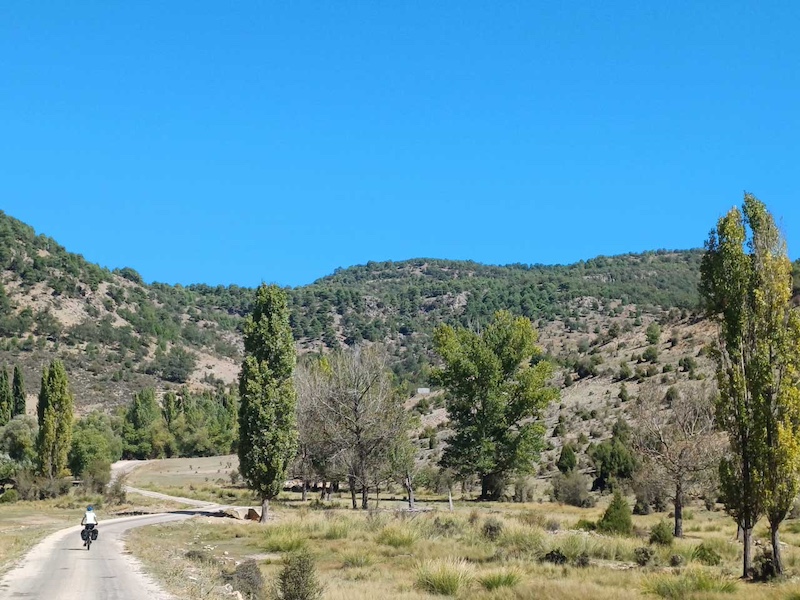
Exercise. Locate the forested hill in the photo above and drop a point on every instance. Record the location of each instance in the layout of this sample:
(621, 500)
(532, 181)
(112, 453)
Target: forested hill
(118, 334)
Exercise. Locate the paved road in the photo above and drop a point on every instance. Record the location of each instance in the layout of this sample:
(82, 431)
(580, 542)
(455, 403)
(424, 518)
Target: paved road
(60, 567)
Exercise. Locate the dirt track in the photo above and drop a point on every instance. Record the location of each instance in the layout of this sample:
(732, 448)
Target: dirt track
(60, 567)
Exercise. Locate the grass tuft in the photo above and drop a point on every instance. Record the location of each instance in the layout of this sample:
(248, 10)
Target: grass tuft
(444, 577)
(356, 560)
(678, 587)
(500, 579)
(397, 537)
(283, 539)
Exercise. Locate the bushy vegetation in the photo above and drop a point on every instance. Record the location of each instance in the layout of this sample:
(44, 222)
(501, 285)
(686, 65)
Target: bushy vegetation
(617, 518)
(298, 579)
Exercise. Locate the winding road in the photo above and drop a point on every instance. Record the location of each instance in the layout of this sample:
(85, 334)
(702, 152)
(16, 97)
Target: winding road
(60, 568)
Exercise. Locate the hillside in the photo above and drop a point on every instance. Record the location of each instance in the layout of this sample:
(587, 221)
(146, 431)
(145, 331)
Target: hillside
(117, 334)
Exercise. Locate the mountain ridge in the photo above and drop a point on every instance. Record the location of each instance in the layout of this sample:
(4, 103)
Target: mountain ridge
(118, 334)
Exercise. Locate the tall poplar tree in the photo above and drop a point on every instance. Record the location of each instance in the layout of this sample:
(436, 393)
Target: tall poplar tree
(6, 399)
(18, 392)
(746, 286)
(55, 413)
(267, 418)
(497, 389)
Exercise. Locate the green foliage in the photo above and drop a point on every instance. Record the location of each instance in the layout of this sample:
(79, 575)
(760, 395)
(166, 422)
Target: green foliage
(55, 412)
(572, 488)
(625, 371)
(613, 461)
(567, 461)
(176, 365)
(298, 578)
(6, 398)
(267, 421)
(623, 393)
(661, 534)
(653, 333)
(18, 392)
(9, 496)
(617, 517)
(248, 580)
(643, 555)
(497, 388)
(650, 354)
(706, 555)
(94, 443)
(18, 440)
(746, 287)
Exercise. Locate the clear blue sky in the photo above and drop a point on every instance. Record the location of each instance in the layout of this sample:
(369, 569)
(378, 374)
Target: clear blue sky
(225, 142)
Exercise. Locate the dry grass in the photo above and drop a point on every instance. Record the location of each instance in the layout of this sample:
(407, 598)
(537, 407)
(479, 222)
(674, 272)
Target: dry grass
(394, 555)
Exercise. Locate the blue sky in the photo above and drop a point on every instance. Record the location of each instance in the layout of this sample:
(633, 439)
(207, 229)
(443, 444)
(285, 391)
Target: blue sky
(239, 142)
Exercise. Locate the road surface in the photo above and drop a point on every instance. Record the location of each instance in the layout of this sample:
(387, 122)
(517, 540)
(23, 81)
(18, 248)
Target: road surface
(60, 567)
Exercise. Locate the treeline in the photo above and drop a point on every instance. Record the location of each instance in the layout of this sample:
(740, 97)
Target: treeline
(40, 456)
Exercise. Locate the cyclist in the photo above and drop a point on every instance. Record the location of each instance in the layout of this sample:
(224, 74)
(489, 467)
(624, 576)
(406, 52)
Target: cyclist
(89, 522)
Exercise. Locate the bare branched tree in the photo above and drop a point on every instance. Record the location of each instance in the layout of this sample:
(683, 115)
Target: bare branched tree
(677, 440)
(352, 416)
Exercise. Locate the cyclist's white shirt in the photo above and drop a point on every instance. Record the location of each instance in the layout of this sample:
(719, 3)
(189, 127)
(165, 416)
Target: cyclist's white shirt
(90, 518)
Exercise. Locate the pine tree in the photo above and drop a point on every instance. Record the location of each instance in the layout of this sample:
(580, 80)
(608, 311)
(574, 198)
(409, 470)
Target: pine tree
(55, 412)
(18, 392)
(567, 461)
(6, 399)
(267, 419)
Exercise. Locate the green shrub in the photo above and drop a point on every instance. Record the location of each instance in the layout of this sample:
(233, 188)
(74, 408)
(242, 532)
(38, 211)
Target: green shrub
(567, 461)
(444, 577)
(492, 529)
(706, 555)
(572, 489)
(500, 579)
(643, 555)
(676, 560)
(661, 534)
(586, 525)
(617, 518)
(247, 579)
(298, 578)
(9, 496)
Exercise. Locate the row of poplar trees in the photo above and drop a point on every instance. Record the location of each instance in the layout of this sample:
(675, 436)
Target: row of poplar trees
(12, 395)
(54, 412)
(746, 287)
